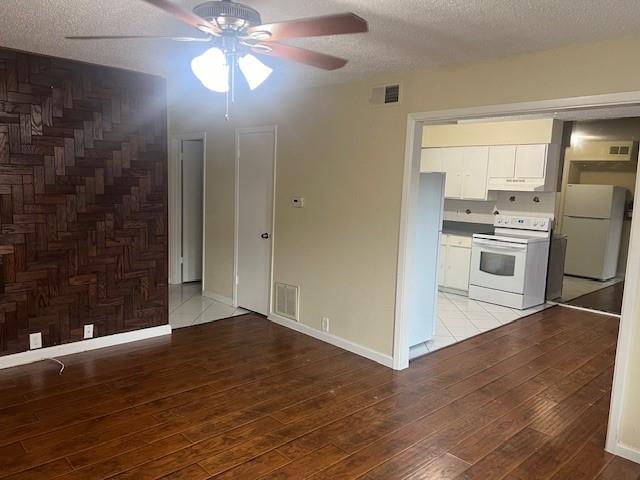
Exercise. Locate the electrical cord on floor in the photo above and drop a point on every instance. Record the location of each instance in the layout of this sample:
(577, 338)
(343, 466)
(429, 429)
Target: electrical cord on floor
(59, 363)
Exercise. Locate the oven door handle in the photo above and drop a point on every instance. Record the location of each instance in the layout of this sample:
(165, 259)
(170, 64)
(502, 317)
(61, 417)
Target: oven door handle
(500, 245)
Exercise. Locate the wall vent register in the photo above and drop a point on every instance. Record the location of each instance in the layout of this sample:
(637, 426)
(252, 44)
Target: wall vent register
(286, 301)
(385, 95)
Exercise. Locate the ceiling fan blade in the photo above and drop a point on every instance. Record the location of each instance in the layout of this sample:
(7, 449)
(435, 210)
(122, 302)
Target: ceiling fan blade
(338, 24)
(186, 16)
(300, 55)
(127, 37)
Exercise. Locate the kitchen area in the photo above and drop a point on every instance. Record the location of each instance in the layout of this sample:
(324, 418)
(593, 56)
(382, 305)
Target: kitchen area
(526, 219)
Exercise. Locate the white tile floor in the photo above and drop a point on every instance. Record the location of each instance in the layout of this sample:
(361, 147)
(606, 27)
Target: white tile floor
(460, 317)
(574, 287)
(188, 307)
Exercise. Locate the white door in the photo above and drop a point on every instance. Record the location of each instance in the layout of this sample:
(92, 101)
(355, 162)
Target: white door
(255, 168)
(192, 174)
(458, 262)
(502, 161)
(442, 260)
(474, 183)
(586, 247)
(452, 164)
(422, 289)
(589, 201)
(498, 265)
(431, 160)
(530, 161)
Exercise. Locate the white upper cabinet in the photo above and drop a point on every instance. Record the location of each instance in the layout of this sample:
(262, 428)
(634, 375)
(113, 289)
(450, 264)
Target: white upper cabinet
(510, 155)
(528, 168)
(474, 176)
(530, 161)
(465, 169)
(452, 166)
(431, 160)
(502, 161)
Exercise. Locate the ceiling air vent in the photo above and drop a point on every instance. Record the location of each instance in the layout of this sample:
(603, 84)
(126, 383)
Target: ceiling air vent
(286, 301)
(619, 150)
(385, 95)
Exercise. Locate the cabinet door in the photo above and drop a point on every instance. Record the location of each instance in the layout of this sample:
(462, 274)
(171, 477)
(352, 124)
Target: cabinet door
(442, 259)
(474, 179)
(458, 263)
(502, 161)
(452, 164)
(431, 160)
(530, 161)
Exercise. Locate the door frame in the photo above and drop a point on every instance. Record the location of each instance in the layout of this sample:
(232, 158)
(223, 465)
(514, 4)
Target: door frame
(175, 204)
(240, 131)
(406, 245)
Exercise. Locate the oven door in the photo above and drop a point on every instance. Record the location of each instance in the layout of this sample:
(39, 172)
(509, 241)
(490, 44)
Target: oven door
(498, 265)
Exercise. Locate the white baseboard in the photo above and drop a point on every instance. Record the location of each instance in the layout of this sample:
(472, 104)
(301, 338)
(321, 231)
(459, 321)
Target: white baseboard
(625, 451)
(219, 298)
(378, 357)
(23, 358)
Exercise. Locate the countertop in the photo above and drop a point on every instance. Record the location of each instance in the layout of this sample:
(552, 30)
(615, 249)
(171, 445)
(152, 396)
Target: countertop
(465, 229)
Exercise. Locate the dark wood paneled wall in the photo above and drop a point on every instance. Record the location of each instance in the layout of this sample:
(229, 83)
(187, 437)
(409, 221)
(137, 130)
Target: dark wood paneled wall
(83, 200)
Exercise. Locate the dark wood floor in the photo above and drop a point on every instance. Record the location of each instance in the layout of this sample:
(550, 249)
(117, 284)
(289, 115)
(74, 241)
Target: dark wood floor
(246, 399)
(608, 299)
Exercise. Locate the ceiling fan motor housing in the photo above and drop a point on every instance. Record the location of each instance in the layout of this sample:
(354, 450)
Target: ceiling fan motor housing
(229, 16)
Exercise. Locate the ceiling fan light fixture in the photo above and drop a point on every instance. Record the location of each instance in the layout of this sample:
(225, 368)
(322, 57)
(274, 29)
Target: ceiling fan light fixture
(212, 69)
(253, 70)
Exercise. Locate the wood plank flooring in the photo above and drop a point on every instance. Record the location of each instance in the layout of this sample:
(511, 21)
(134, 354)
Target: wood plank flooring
(246, 399)
(608, 299)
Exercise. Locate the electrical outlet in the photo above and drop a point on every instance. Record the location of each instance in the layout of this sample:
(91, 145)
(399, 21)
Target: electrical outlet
(35, 340)
(325, 324)
(88, 330)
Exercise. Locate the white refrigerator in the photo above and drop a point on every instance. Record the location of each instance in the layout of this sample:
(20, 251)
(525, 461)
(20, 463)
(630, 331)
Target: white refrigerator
(422, 288)
(593, 216)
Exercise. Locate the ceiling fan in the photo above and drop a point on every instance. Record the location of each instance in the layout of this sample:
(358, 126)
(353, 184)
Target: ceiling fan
(237, 32)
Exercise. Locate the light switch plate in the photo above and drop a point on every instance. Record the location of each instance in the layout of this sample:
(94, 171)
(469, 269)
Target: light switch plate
(297, 202)
(35, 340)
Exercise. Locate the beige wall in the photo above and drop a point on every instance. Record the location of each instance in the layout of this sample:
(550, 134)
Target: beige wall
(620, 179)
(346, 158)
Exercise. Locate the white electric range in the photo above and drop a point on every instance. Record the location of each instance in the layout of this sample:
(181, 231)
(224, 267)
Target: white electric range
(509, 267)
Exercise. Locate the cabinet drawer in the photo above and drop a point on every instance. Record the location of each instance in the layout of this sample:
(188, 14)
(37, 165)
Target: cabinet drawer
(459, 241)
(443, 238)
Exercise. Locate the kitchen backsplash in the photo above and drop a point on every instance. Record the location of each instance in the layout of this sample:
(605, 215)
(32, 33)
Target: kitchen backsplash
(520, 203)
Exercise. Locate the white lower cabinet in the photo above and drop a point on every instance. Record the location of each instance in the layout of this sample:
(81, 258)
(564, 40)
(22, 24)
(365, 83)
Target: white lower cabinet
(454, 262)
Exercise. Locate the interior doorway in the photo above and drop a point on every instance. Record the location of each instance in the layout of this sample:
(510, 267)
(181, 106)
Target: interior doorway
(192, 209)
(569, 109)
(594, 218)
(255, 181)
(187, 198)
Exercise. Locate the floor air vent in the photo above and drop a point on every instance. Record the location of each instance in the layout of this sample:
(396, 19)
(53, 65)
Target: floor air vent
(287, 301)
(385, 95)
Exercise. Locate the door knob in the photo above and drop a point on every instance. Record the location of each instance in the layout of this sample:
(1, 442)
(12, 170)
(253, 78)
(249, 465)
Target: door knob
(265, 236)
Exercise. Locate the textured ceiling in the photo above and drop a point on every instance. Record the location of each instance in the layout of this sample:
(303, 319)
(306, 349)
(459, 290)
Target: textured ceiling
(404, 34)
